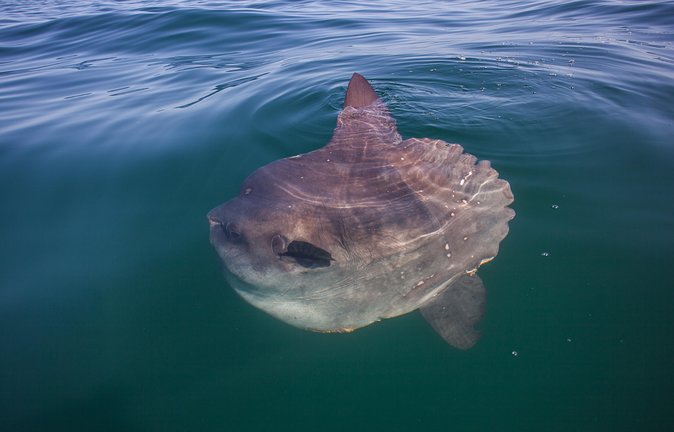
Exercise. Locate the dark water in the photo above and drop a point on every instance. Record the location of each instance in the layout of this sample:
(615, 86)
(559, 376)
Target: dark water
(122, 124)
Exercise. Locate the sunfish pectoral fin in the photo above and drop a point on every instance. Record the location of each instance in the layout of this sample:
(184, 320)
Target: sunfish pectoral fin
(455, 311)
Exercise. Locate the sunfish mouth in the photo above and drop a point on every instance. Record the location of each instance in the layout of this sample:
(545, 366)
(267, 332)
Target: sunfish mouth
(212, 221)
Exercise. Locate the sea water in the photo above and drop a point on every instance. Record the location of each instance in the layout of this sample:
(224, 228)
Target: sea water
(123, 123)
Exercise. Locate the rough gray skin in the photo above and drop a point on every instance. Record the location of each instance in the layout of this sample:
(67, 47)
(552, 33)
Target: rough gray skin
(367, 227)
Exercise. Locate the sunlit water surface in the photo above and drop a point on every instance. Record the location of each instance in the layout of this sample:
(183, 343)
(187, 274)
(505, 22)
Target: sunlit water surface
(123, 123)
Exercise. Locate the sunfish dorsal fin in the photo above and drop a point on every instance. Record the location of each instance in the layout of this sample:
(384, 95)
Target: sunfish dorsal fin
(360, 93)
(365, 128)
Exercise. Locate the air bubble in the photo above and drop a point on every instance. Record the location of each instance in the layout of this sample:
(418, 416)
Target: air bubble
(545, 254)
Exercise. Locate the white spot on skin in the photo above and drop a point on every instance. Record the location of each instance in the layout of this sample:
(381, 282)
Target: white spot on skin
(449, 255)
(402, 158)
(446, 246)
(463, 180)
(419, 283)
(465, 238)
(452, 214)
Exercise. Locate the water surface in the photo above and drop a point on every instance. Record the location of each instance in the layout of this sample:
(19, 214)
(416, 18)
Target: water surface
(122, 124)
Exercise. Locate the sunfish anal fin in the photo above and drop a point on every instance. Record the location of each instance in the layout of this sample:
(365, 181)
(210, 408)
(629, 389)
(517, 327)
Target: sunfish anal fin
(455, 311)
(359, 93)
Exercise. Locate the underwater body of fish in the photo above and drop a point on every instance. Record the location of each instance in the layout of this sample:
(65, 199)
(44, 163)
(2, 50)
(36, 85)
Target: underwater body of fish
(368, 227)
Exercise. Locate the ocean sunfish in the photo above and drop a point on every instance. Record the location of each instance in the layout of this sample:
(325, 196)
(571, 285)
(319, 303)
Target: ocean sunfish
(368, 227)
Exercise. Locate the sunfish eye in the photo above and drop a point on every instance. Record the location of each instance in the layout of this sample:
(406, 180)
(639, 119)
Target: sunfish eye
(307, 255)
(278, 244)
(231, 232)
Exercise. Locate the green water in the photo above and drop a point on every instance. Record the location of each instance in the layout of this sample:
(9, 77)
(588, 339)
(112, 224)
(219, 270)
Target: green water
(122, 124)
